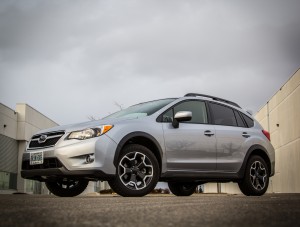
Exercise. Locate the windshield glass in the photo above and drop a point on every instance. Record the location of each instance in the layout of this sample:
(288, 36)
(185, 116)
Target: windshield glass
(141, 110)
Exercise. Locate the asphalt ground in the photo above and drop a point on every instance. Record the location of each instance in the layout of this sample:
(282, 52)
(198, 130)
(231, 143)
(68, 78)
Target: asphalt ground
(154, 210)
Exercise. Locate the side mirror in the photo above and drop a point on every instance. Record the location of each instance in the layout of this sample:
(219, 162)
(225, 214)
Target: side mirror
(181, 116)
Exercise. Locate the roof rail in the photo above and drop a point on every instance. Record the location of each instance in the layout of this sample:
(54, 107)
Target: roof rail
(214, 98)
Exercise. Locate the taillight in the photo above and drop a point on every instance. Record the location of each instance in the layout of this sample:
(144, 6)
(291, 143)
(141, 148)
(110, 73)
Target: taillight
(267, 134)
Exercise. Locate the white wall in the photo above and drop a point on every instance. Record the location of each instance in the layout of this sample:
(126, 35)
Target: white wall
(8, 122)
(30, 121)
(21, 124)
(281, 117)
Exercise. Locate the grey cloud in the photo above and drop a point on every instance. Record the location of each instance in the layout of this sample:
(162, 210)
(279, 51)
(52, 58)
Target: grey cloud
(82, 56)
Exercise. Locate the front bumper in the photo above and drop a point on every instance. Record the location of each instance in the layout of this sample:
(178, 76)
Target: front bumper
(68, 158)
(54, 173)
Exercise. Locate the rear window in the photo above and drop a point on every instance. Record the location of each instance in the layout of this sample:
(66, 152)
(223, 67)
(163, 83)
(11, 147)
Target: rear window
(239, 120)
(249, 121)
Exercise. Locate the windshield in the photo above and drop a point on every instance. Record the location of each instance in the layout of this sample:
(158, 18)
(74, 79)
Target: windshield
(141, 110)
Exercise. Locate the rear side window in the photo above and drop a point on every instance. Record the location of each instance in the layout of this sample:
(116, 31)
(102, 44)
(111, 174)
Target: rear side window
(248, 120)
(222, 115)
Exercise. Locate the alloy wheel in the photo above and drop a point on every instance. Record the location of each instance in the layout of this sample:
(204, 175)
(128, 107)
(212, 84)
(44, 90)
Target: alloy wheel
(258, 175)
(135, 170)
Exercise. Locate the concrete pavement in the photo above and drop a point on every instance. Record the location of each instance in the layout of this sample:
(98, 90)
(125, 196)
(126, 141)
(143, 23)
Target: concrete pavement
(154, 210)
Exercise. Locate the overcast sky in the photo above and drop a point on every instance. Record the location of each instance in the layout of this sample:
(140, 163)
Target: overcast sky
(73, 59)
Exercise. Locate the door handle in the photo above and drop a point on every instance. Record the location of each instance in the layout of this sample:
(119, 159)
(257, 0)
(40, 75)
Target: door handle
(208, 133)
(246, 135)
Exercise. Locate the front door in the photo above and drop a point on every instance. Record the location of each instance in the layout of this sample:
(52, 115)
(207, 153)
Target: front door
(192, 146)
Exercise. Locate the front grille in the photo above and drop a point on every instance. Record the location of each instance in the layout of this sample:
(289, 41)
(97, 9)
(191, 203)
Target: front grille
(47, 143)
(49, 163)
(45, 140)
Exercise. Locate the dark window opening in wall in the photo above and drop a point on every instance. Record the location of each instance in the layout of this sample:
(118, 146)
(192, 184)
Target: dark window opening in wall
(8, 181)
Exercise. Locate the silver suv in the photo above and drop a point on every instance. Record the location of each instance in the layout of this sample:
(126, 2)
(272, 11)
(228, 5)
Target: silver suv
(184, 141)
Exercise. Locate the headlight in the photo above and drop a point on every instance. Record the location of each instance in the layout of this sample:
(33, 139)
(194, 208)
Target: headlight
(89, 132)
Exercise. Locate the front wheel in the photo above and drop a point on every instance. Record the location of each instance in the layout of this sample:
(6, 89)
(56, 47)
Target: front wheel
(256, 179)
(67, 187)
(137, 172)
(182, 189)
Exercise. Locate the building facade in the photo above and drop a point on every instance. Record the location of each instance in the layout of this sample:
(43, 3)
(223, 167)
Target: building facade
(280, 116)
(16, 128)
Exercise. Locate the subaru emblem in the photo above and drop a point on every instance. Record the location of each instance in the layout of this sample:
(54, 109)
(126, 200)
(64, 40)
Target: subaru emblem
(42, 139)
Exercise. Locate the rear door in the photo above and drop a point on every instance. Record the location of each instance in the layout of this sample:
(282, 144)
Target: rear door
(231, 135)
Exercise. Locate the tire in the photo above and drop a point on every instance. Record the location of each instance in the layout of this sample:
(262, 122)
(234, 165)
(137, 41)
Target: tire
(67, 187)
(137, 172)
(182, 189)
(256, 179)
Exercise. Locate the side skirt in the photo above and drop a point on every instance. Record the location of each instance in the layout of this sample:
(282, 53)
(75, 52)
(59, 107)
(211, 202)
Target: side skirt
(187, 176)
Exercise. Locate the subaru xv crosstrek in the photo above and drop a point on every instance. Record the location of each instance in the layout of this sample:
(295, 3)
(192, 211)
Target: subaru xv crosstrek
(185, 141)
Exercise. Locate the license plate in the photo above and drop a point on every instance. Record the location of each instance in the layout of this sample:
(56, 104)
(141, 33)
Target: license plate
(36, 158)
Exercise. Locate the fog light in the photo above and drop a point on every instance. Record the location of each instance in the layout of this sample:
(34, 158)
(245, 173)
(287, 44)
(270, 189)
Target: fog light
(89, 158)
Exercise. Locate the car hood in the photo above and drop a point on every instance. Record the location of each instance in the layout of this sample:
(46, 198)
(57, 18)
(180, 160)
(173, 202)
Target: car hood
(84, 125)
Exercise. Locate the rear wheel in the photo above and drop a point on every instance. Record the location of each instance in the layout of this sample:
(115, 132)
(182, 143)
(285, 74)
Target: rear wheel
(256, 179)
(182, 189)
(67, 187)
(137, 172)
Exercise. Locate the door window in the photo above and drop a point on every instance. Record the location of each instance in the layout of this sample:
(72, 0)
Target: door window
(198, 109)
(168, 116)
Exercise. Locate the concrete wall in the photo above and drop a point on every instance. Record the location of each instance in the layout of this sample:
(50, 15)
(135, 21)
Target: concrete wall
(281, 117)
(20, 125)
(8, 122)
(30, 121)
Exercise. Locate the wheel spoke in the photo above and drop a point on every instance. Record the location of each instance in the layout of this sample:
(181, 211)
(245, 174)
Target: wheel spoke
(132, 162)
(133, 178)
(262, 178)
(127, 170)
(141, 165)
(253, 179)
(141, 175)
